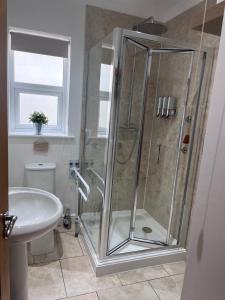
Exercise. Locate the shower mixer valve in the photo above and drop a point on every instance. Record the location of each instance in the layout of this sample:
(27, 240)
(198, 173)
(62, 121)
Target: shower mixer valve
(166, 106)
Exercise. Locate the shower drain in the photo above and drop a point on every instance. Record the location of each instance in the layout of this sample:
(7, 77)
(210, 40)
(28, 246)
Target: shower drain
(146, 229)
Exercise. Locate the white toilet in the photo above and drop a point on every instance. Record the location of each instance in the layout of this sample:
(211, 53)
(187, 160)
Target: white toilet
(41, 176)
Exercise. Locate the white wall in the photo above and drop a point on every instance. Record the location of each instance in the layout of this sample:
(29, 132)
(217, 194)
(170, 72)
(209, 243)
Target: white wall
(58, 17)
(60, 152)
(205, 274)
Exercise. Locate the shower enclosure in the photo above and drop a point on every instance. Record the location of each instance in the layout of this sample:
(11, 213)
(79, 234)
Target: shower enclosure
(141, 137)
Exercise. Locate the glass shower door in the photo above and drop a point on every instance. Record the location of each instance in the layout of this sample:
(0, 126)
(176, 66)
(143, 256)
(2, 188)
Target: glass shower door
(164, 162)
(130, 110)
(94, 160)
(147, 190)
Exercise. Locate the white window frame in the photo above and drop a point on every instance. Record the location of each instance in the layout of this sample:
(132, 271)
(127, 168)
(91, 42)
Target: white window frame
(15, 88)
(104, 96)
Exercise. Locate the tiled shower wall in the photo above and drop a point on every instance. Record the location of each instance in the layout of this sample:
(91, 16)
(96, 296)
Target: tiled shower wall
(163, 137)
(99, 24)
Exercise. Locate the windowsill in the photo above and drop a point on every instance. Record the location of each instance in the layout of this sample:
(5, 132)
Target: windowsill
(96, 137)
(45, 135)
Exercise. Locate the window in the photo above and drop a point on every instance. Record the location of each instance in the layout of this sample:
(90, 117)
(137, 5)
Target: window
(39, 72)
(105, 104)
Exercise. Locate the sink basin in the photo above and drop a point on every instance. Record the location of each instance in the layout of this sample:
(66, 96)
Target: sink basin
(38, 212)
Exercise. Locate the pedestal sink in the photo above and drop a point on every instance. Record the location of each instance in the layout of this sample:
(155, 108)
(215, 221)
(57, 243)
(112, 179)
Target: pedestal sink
(38, 213)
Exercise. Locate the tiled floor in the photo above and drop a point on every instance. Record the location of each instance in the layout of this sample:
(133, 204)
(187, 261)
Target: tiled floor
(71, 277)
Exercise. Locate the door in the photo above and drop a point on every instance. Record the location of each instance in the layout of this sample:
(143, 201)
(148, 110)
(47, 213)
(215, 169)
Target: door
(150, 166)
(4, 259)
(130, 111)
(165, 155)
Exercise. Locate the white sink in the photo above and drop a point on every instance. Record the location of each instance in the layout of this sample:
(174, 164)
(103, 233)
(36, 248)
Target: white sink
(38, 213)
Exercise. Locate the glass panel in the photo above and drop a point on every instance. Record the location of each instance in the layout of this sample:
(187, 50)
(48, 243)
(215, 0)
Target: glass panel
(28, 103)
(98, 107)
(131, 102)
(38, 69)
(105, 77)
(161, 153)
(104, 116)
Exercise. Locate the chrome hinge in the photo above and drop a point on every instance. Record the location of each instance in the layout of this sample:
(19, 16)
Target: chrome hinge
(9, 222)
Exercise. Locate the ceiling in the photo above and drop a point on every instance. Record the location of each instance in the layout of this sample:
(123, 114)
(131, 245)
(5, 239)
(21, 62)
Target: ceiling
(163, 10)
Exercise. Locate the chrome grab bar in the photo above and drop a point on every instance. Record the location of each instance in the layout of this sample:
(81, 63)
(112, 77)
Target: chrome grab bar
(101, 192)
(74, 172)
(96, 174)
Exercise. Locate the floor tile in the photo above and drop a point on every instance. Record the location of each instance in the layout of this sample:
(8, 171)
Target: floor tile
(175, 268)
(45, 258)
(168, 288)
(70, 245)
(92, 296)
(80, 238)
(46, 282)
(143, 274)
(80, 279)
(140, 291)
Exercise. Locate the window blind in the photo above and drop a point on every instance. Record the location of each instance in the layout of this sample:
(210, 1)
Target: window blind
(39, 44)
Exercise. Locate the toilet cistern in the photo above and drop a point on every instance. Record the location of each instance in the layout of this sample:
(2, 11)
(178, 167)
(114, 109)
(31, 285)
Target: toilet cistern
(41, 175)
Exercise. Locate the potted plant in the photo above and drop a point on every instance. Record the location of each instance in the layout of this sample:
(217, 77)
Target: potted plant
(38, 119)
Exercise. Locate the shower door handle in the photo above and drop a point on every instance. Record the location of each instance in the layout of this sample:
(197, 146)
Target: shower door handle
(74, 172)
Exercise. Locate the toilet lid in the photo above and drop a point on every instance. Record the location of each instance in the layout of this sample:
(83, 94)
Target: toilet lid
(40, 166)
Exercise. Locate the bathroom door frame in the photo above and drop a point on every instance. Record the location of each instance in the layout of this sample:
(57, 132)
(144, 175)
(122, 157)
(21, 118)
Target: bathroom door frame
(4, 247)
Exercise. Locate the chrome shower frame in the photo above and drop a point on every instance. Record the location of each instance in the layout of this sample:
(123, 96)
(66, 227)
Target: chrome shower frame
(105, 261)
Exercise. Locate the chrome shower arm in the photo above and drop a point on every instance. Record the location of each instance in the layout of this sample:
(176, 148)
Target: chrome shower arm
(146, 20)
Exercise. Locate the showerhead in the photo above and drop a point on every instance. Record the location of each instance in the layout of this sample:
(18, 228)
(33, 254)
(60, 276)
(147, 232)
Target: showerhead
(151, 26)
